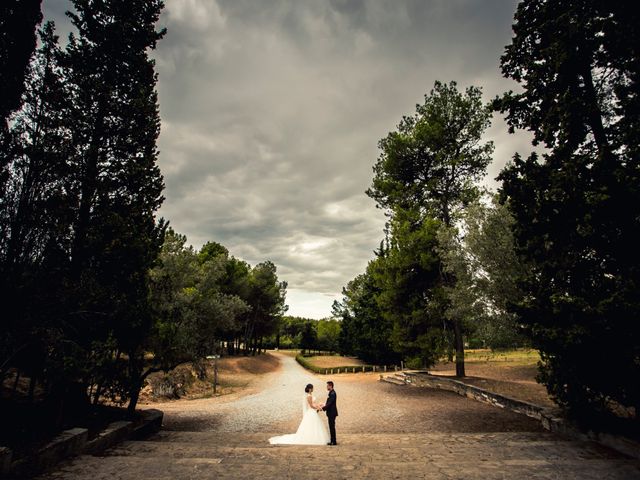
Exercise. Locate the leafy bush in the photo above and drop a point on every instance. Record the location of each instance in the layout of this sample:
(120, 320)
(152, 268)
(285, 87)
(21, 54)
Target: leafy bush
(171, 385)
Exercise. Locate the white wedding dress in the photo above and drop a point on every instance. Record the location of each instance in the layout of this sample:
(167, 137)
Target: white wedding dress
(312, 429)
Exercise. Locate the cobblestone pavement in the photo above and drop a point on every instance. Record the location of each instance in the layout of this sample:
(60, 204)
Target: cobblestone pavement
(384, 431)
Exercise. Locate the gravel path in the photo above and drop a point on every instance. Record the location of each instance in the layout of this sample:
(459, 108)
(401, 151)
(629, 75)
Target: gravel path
(365, 406)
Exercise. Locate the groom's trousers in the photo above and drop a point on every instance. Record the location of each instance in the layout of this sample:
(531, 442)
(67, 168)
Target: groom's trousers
(332, 428)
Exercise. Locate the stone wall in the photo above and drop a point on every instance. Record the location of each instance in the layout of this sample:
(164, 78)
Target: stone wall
(476, 393)
(550, 418)
(75, 442)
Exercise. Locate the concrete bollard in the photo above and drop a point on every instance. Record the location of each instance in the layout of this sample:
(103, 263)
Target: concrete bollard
(385, 369)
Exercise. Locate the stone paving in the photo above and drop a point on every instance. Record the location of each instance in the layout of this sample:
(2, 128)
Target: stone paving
(384, 432)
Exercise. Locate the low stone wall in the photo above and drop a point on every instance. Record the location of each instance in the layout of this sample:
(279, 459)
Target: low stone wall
(550, 418)
(116, 432)
(75, 442)
(471, 391)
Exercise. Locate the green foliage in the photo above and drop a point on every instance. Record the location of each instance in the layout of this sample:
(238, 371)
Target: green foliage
(480, 255)
(96, 297)
(577, 207)
(308, 337)
(365, 332)
(408, 276)
(290, 330)
(211, 250)
(190, 310)
(80, 190)
(35, 211)
(425, 174)
(201, 299)
(430, 163)
(328, 334)
(266, 297)
(114, 173)
(293, 332)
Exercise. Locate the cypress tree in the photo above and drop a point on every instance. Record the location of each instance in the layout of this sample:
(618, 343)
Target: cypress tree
(116, 124)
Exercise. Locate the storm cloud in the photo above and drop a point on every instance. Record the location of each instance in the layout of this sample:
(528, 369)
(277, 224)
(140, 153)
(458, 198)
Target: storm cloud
(272, 110)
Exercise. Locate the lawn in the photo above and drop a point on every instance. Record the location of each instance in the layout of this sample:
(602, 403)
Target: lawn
(333, 361)
(507, 372)
(511, 373)
(520, 356)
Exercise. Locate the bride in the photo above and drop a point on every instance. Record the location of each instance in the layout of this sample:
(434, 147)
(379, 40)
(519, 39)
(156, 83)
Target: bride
(312, 430)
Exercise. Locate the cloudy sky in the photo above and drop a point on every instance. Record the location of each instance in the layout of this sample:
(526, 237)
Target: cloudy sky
(272, 110)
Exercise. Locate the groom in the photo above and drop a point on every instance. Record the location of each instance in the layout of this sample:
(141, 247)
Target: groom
(332, 412)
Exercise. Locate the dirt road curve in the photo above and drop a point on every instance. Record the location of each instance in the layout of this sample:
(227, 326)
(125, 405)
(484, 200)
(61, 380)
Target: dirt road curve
(365, 405)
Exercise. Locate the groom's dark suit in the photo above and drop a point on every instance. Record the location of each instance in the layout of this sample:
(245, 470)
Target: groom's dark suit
(331, 408)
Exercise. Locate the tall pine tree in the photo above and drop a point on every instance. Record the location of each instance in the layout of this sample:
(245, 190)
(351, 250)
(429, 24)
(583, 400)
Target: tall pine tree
(427, 168)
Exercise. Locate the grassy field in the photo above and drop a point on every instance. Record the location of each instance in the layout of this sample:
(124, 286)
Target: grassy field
(333, 361)
(511, 373)
(290, 353)
(521, 356)
(507, 372)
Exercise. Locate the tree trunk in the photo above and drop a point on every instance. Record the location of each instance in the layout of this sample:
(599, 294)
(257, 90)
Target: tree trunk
(89, 185)
(134, 396)
(594, 114)
(136, 377)
(15, 384)
(32, 387)
(457, 329)
(97, 394)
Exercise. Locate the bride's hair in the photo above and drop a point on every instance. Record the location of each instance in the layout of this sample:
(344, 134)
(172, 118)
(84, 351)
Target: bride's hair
(308, 388)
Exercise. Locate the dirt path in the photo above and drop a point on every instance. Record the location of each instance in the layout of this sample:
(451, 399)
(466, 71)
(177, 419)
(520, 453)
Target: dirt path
(365, 405)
